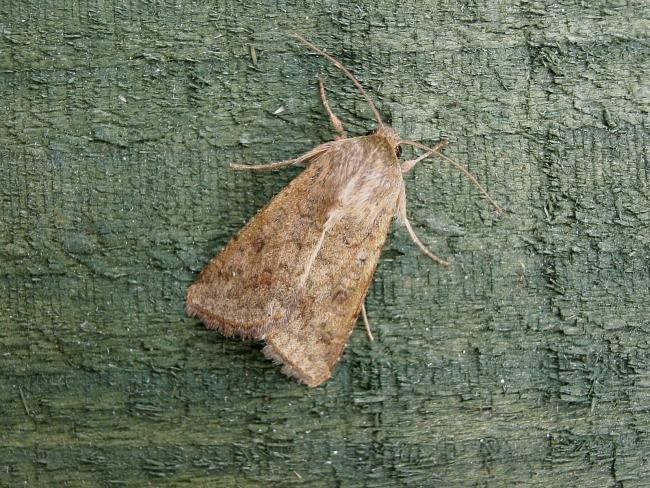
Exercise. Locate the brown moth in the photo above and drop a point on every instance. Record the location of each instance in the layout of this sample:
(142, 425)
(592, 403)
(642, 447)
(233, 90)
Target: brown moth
(297, 274)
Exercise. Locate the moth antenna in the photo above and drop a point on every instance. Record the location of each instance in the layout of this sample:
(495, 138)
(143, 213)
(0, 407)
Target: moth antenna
(408, 165)
(459, 167)
(346, 72)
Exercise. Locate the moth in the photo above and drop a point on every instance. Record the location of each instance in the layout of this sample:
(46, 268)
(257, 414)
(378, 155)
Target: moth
(297, 274)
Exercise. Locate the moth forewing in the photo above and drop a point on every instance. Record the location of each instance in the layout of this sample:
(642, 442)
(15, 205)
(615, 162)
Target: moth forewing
(253, 283)
(297, 273)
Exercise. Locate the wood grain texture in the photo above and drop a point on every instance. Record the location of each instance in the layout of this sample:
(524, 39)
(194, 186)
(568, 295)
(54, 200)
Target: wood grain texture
(524, 363)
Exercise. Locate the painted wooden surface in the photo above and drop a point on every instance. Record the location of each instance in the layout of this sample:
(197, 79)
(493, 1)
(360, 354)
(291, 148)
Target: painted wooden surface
(524, 363)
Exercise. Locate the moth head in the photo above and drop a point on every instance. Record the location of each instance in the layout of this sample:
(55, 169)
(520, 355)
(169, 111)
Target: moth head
(391, 136)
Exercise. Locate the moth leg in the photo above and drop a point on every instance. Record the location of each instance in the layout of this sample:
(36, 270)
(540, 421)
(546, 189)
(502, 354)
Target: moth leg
(364, 315)
(273, 165)
(408, 165)
(305, 158)
(338, 126)
(401, 215)
(424, 249)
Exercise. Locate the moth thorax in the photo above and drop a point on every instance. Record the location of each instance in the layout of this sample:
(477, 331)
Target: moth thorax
(389, 134)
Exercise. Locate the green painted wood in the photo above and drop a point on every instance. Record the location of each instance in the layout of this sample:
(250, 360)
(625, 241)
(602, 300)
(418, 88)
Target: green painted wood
(524, 363)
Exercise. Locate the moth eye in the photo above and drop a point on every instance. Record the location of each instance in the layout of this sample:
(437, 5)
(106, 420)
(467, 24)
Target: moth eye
(398, 151)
